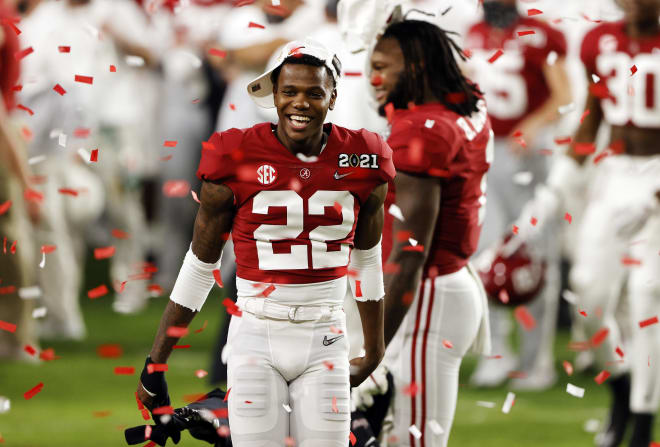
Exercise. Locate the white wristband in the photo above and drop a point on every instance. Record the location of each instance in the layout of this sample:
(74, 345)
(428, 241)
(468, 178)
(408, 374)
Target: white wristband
(366, 266)
(194, 282)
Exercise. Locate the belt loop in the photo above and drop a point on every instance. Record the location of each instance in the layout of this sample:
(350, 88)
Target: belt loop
(292, 313)
(259, 307)
(326, 311)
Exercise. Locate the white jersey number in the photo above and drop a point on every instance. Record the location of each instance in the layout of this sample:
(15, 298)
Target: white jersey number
(630, 91)
(297, 259)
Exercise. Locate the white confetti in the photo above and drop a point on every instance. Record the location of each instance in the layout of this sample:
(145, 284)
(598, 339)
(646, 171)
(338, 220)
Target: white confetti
(595, 78)
(485, 404)
(37, 159)
(508, 403)
(39, 312)
(42, 264)
(5, 404)
(91, 30)
(224, 355)
(566, 108)
(61, 140)
(134, 61)
(84, 155)
(523, 178)
(412, 241)
(429, 123)
(574, 390)
(29, 293)
(165, 418)
(591, 426)
(435, 427)
(287, 408)
(396, 212)
(552, 58)
(55, 133)
(194, 60)
(569, 296)
(415, 431)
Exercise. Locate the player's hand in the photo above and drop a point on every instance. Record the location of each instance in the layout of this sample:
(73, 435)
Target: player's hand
(361, 367)
(362, 396)
(152, 388)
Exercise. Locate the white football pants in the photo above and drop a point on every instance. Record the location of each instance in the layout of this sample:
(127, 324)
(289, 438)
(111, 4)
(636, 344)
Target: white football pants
(287, 382)
(439, 328)
(604, 261)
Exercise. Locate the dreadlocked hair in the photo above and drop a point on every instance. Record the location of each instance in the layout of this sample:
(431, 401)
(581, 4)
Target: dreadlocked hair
(428, 53)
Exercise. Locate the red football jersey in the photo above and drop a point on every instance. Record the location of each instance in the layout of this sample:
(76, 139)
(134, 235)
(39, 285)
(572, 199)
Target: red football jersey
(9, 66)
(295, 220)
(630, 70)
(514, 84)
(431, 140)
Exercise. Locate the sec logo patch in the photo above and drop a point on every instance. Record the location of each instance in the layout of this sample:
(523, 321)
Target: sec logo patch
(266, 174)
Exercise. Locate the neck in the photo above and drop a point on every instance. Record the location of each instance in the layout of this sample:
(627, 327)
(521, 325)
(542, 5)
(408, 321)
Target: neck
(642, 28)
(309, 147)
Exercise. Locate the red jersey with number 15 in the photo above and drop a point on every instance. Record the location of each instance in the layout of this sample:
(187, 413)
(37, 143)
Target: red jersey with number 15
(514, 84)
(431, 140)
(295, 220)
(629, 71)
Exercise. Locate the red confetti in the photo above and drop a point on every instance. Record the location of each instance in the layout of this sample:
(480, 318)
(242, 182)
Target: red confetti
(289, 442)
(619, 351)
(163, 410)
(29, 349)
(600, 90)
(120, 234)
(177, 332)
(156, 367)
(176, 188)
(27, 133)
(97, 292)
(101, 414)
(648, 322)
(227, 395)
(358, 289)
(104, 252)
(526, 32)
(22, 53)
(328, 364)
(584, 148)
(232, 106)
(68, 192)
(334, 405)
(584, 115)
(495, 56)
(268, 290)
(568, 368)
(94, 157)
(33, 392)
(335, 330)
(515, 229)
(218, 278)
(418, 247)
(4, 207)
(59, 89)
(81, 132)
(447, 344)
(568, 218)
(150, 443)
(155, 289)
(352, 73)
(411, 390)
(202, 328)
(216, 52)
(503, 296)
(194, 196)
(352, 438)
(563, 140)
(109, 351)
(525, 318)
(48, 248)
(113, 69)
(48, 354)
(63, 49)
(633, 70)
(33, 196)
(389, 111)
(170, 143)
(27, 109)
(630, 261)
(7, 290)
(166, 158)
(602, 377)
(12, 249)
(533, 221)
(84, 79)
(533, 12)
(583, 313)
(201, 373)
(255, 25)
(9, 327)
(599, 337)
(231, 307)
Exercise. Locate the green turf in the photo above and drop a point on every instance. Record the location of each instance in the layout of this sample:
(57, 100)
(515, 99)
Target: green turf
(81, 383)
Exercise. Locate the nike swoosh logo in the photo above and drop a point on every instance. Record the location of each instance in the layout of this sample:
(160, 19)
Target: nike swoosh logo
(339, 176)
(328, 341)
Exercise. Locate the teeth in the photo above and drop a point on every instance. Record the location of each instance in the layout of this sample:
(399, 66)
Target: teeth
(300, 118)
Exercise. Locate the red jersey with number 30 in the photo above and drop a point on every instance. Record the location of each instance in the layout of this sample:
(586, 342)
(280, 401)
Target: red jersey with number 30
(295, 220)
(431, 140)
(630, 71)
(514, 84)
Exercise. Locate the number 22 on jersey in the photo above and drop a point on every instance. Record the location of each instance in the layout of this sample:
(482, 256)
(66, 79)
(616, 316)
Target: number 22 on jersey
(319, 237)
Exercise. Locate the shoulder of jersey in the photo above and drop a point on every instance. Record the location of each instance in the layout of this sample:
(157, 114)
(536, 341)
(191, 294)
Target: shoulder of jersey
(531, 21)
(361, 140)
(433, 125)
(612, 28)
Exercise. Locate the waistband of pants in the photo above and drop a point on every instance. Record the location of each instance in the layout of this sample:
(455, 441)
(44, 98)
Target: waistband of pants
(264, 308)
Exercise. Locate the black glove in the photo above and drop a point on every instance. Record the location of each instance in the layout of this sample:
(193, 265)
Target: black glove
(155, 383)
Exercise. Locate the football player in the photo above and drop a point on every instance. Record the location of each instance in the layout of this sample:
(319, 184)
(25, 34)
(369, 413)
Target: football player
(620, 231)
(298, 197)
(524, 87)
(435, 307)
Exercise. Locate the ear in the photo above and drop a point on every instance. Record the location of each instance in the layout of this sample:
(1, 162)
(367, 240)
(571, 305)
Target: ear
(333, 99)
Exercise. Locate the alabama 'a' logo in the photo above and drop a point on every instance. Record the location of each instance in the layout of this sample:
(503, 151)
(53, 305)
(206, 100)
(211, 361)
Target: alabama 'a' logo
(266, 174)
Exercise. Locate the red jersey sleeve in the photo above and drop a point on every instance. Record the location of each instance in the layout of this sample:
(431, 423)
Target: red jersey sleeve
(376, 144)
(556, 41)
(422, 150)
(220, 155)
(589, 50)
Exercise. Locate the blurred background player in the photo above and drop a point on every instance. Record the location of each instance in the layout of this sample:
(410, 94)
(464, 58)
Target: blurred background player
(435, 304)
(524, 89)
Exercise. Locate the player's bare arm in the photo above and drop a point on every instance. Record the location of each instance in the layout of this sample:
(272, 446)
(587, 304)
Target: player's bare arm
(560, 95)
(588, 129)
(420, 220)
(367, 235)
(212, 224)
